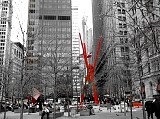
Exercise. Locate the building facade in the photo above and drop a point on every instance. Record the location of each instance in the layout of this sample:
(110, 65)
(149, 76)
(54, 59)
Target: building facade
(49, 45)
(145, 38)
(75, 52)
(112, 71)
(5, 32)
(15, 65)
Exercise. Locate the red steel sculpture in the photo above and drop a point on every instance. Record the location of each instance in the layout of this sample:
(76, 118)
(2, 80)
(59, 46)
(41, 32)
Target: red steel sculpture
(90, 70)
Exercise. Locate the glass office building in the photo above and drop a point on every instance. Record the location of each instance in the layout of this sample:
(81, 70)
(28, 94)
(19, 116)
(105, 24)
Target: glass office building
(49, 45)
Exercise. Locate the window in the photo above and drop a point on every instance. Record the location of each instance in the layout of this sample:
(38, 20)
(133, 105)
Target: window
(127, 49)
(120, 32)
(119, 11)
(123, 4)
(125, 32)
(124, 19)
(124, 25)
(121, 40)
(120, 18)
(14, 51)
(122, 49)
(123, 11)
(120, 4)
(120, 25)
(126, 40)
(32, 5)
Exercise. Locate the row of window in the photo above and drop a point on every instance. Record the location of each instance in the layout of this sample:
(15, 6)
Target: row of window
(123, 40)
(121, 25)
(4, 8)
(1, 51)
(2, 44)
(61, 24)
(3, 22)
(51, 6)
(2, 26)
(54, 1)
(32, 0)
(17, 53)
(48, 30)
(121, 18)
(3, 19)
(1, 62)
(125, 49)
(55, 17)
(121, 4)
(121, 11)
(1, 48)
(2, 41)
(5, 4)
(2, 33)
(32, 5)
(2, 29)
(123, 32)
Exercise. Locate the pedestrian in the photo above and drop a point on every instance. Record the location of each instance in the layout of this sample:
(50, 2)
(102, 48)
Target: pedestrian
(156, 105)
(91, 110)
(149, 109)
(45, 111)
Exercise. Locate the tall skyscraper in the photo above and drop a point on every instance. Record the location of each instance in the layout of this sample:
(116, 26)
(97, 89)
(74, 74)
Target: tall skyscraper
(49, 45)
(5, 31)
(75, 52)
(109, 20)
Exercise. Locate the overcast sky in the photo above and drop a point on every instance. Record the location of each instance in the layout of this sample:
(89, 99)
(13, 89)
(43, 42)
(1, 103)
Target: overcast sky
(20, 9)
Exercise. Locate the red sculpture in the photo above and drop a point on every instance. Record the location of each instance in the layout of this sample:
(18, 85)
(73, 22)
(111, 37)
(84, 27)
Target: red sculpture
(90, 70)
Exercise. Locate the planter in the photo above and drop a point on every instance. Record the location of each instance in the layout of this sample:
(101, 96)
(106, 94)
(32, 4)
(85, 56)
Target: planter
(85, 112)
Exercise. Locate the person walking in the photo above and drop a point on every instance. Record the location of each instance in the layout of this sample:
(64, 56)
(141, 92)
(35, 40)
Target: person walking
(149, 109)
(45, 111)
(156, 106)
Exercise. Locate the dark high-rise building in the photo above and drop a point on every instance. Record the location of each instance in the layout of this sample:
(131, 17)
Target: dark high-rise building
(109, 20)
(49, 46)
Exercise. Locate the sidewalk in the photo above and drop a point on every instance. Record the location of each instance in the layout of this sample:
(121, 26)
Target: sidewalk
(12, 115)
(104, 114)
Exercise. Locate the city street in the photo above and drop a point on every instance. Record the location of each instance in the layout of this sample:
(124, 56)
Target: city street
(137, 114)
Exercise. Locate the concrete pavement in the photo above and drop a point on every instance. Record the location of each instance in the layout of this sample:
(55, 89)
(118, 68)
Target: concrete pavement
(137, 114)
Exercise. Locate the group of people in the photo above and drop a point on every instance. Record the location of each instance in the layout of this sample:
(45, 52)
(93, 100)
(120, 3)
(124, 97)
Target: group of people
(153, 107)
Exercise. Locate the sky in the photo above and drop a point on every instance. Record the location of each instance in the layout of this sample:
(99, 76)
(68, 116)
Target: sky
(85, 9)
(19, 18)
